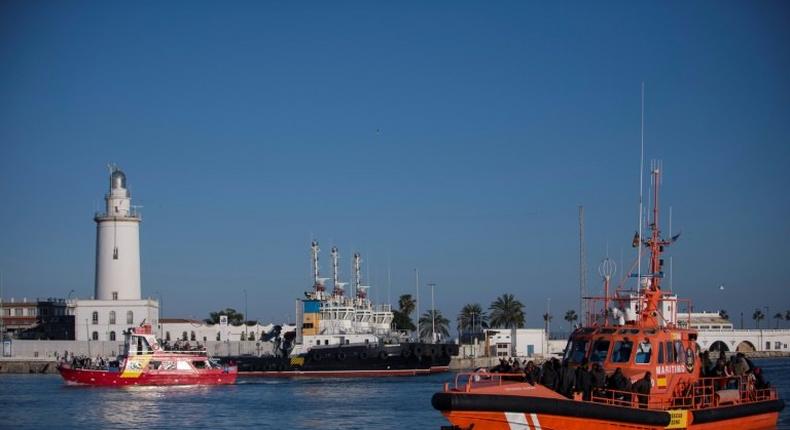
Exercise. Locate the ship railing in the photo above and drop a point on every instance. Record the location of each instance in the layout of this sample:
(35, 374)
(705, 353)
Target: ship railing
(704, 393)
(472, 380)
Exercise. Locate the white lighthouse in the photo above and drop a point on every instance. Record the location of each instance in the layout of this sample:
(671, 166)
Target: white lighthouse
(117, 303)
(117, 244)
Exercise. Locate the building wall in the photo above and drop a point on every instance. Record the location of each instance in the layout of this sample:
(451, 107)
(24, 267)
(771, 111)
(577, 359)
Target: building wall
(85, 326)
(523, 342)
(47, 349)
(208, 332)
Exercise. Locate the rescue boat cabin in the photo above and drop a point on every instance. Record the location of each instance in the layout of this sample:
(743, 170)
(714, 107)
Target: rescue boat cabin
(638, 331)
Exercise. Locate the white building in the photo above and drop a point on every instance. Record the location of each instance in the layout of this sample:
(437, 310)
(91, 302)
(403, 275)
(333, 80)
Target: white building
(117, 303)
(521, 342)
(108, 319)
(173, 329)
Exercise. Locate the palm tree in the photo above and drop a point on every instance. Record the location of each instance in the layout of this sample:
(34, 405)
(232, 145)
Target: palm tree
(547, 317)
(778, 317)
(401, 318)
(757, 316)
(571, 316)
(471, 318)
(787, 315)
(433, 321)
(507, 312)
(723, 313)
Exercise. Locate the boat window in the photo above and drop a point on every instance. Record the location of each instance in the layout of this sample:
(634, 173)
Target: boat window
(608, 330)
(643, 352)
(183, 365)
(660, 352)
(199, 364)
(670, 357)
(326, 341)
(621, 352)
(318, 342)
(577, 350)
(600, 349)
(168, 365)
(680, 353)
(154, 365)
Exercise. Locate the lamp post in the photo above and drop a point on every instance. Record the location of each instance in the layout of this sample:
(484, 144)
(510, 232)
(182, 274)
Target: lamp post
(161, 314)
(245, 313)
(433, 315)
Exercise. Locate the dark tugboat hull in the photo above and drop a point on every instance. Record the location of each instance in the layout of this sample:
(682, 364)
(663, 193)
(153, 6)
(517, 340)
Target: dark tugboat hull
(352, 361)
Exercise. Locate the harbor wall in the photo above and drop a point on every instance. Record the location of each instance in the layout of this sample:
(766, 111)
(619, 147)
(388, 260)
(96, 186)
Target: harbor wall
(40, 356)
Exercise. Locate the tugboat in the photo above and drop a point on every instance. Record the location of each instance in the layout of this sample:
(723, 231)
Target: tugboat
(146, 363)
(341, 336)
(636, 339)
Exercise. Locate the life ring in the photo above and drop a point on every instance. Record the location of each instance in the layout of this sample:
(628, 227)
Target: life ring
(382, 355)
(405, 353)
(316, 356)
(431, 351)
(363, 355)
(341, 356)
(417, 350)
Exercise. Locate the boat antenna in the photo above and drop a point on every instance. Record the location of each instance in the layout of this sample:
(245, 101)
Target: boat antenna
(582, 265)
(638, 242)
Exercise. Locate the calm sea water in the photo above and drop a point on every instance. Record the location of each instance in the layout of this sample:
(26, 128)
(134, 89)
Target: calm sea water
(42, 401)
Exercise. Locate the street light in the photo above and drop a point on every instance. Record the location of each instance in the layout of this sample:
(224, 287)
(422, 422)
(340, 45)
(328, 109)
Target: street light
(433, 315)
(245, 314)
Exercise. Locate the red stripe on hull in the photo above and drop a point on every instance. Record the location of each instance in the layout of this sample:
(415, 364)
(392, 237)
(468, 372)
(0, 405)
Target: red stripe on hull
(113, 379)
(345, 373)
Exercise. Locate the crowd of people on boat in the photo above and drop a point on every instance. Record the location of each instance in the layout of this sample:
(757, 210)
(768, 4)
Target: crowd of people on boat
(81, 361)
(735, 366)
(584, 380)
(181, 345)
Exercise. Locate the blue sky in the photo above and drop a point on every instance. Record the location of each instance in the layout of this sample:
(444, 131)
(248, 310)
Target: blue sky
(454, 137)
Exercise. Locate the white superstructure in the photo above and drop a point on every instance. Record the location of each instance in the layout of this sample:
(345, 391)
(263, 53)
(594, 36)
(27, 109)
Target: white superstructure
(117, 244)
(335, 319)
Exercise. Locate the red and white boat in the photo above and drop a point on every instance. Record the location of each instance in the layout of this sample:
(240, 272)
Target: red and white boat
(146, 363)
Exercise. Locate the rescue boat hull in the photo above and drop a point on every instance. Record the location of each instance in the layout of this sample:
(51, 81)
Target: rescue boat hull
(106, 378)
(494, 412)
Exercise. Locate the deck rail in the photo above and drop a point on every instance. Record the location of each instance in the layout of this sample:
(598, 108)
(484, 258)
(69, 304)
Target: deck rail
(704, 393)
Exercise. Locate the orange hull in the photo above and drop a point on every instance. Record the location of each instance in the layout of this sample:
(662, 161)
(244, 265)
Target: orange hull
(527, 421)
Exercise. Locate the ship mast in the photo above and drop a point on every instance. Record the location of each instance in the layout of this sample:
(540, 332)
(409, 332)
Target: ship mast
(338, 286)
(318, 281)
(652, 292)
